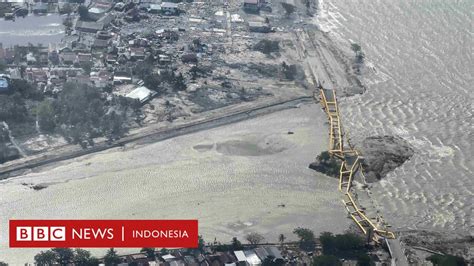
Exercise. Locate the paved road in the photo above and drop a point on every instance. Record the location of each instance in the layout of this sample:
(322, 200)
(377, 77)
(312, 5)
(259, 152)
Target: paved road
(398, 255)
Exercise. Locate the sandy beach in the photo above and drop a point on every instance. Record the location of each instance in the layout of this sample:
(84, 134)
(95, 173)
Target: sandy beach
(234, 179)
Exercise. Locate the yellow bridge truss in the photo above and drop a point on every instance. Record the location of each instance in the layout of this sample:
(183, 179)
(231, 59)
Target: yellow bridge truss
(351, 164)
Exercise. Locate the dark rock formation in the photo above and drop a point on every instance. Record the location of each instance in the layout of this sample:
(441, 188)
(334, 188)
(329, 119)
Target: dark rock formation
(383, 154)
(326, 164)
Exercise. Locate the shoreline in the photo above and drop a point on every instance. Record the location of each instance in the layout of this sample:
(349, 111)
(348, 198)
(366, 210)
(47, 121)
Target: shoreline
(247, 160)
(17, 168)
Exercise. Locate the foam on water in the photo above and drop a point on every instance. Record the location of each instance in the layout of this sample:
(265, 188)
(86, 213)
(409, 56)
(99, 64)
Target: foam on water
(419, 84)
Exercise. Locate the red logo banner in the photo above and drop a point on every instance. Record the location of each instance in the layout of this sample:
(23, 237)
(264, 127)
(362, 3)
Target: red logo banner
(103, 233)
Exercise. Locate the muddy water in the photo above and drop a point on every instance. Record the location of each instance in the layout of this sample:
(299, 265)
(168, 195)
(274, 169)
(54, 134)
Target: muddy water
(419, 87)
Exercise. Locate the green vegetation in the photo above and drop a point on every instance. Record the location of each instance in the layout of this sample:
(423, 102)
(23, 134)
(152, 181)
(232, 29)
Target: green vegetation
(267, 46)
(3, 263)
(306, 237)
(254, 238)
(65, 256)
(46, 258)
(289, 8)
(289, 71)
(3, 65)
(342, 246)
(27, 90)
(12, 108)
(365, 260)
(80, 114)
(83, 258)
(150, 252)
(46, 116)
(111, 258)
(346, 246)
(159, 82)
(234, 245)
(326, 260)
(87, 66)
(201, 243)
(446, 260)
(271, 261)
(83, 12)
(281, 239)
(66, 9)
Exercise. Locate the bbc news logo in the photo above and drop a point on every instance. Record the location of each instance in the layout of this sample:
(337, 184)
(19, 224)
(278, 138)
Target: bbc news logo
(103, 233)
(40, 233)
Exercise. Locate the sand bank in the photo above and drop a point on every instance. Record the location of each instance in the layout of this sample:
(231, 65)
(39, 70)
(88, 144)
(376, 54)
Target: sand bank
(232, 178)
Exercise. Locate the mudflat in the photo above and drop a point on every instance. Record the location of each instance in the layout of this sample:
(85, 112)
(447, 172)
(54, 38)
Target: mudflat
(251, 176)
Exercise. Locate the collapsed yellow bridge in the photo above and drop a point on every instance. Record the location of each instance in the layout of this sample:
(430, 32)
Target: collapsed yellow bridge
(350, 167)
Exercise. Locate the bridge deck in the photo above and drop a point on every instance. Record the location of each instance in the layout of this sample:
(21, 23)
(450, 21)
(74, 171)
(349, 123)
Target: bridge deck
(351, 162)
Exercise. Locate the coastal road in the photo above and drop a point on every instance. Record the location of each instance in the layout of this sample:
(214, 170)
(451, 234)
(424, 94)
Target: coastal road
(397, 252)
(223, 116)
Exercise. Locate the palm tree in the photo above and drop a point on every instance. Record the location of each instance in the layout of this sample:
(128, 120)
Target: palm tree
(281, 239)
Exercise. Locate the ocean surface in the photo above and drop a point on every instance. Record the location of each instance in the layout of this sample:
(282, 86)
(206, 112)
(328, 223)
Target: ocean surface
(419, 87)
(32, 29)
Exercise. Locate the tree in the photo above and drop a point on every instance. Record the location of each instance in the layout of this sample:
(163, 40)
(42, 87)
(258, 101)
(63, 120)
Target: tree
(45, 258)
(179, 83)
(83, 257)
(27, 90)
(12, 107)
(271, 261)
(150, 252)
(164, 251)
(365, 260)
(254, 238)
(201, 243)
(446, 260)
(46, 116)
(3, 263)
(349, 242)
(306, 236)
(64, 255)
(3, 65)
(111, 257)
(281, 239)
(328, 242)
(83, 12)
(79, 110)
(67, 9)
(93, 261)
(235, 244)
(326, 260)
(267, 46)
(289, 8)
(112, 126)
(87, 66)
(67, 22)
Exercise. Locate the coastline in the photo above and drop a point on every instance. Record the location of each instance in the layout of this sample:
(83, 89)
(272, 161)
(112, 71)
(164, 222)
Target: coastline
(180, 177)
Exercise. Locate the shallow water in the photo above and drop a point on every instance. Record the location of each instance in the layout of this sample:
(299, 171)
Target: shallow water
(419, 87)
(31, 29)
